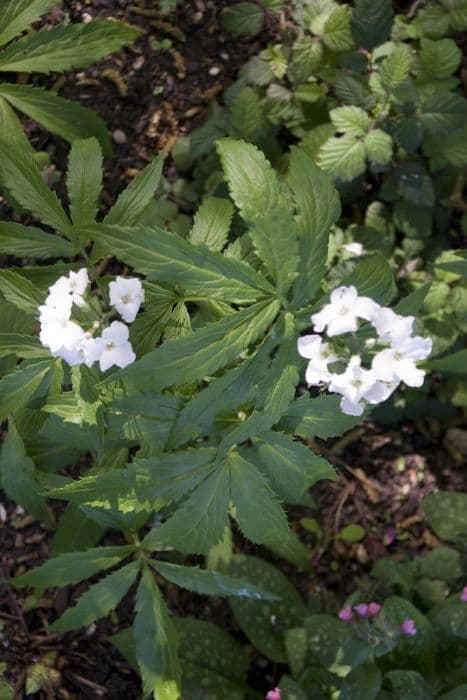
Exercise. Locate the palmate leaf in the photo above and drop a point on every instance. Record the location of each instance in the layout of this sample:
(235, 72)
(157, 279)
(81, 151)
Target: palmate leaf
(320, 417)
(19, 386)
(156, 642)
(65, 47)
(256, 191)
(165, 257)
(319, 208)
(212, 223)
(20, 291)
(11, 128)
(99, 600)
(18, 15)
(137, 196)
(22, 346)
(200, 353)
(208, 582)
(69, 120)
(373, 277)
(371, 22)
(84, 180)
(28, 241)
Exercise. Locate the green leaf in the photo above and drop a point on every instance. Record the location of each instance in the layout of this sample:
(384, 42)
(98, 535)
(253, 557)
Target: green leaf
(371, 22)
(138, 195)
(373, 277)
(320, 417)
(84, 181)
(21, 175)
(209, 582)
(28, 241)
(11, 128)
(455, 694)
(19, 386)
(72, 567)
(446, 512)
(443, 112)
(18, 15)
(66, 46)
(337, 36)
(319, 208)
(20, 291)
(343, 156)
(22, 346)
(265, 623)
(247, 116)
(155, 642)
(18, 475)
(362, 683)
(350, 120)
(99, 600)
(441, 563)
(352, 533)
(326, 636)
(165, 257)
(394, 69)
(202, 352)
(415, 652)
(378, 147)
(256, 191)
(243, 18)
(439, 59)
(406, 685)
(212, 223)
(455, 364)
(75, 531)
(69, 120)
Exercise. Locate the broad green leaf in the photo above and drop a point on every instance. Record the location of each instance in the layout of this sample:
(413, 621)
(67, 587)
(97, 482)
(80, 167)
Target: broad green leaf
(212, 223)
(446, 512)
(243, 18)
(320, 417)
(19, 386)
(394, 69)
(378, 147)
(449, 618)
(11, 128)
(69, 120)
(23, 179)
(133, 201)
(352, 533)
(439, 59)
(66, 46)
(350, 120)
(451, 364)
(343, 156)
(200, 353)
(209, 582)
(326, 636)
(28, 241)
(20, 291)
(261, 518)
(247, 116)
(441, 563)
(256, 191)
(362, 683)
(415, 652)
(22, 346)
(73, 567)
(84, 180)
(291, 689)
(407, 685)
(165, 257)
(443, 112)
(200, 522)
(373, 277)
(18, 475)
(18, 15)
(318, 208)
(155, 642)
(265, 623)
(457, 693)
(337, 35)
(99, 600)
(371, 22)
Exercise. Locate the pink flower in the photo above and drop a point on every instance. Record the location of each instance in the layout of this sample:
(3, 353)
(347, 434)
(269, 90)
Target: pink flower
(346, 614)
(374, 609)
(361, 609)
(274, 694)
(408, 627)
(464, 595)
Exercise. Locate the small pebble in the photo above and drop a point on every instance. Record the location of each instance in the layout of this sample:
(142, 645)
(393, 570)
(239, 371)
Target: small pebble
(215, 70)
(138, 63)
(86, 17)
(225, 56)
(119, 136)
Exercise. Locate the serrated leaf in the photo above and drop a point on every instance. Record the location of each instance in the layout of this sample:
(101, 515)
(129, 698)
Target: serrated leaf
(66, 46)
(20, 291)
(165, 257)
(75, 532)
(243, 18)
(337, 35)
(371, 22)
(318, 207)
(18, 15)
(439, 59)
(11, 127)
(208, 582)
(343, 156)
(19, 386)
(378, 147)
(84, 180)
(261, 518)
(18, 475)
(72, 567)
(133, 201)
(22, 346)
(394, 69)
(320, 417)
(373, 277)
(155, 642)
(247, 119)
(350, 120)
(443, 112)
(212, 223)
(69, 120)
(99, 600)
(455, 363)
(28, 241)
(256, 191)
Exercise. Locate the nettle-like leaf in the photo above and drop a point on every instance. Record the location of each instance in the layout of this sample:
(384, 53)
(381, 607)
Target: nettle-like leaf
(371, 22)
(244, 18)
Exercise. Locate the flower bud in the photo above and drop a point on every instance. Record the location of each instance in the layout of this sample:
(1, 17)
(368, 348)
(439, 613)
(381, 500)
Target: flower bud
(408, 627)
(346, 614)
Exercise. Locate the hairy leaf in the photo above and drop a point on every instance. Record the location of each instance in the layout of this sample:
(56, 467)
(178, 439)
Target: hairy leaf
(343, 156)
(371, 22)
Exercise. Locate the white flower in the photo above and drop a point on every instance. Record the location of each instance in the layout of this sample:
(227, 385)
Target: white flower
(57, 331)
(312, 348)
(398, 361)
(90, 350)
(74, 286)
(354, 249)
(115, 347)
(126, 295)
(391, 326)
(354, 384)
(380, 391)
(340, 315)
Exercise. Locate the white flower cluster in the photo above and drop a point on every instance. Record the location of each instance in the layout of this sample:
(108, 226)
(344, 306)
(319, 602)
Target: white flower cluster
(393, 362)
(65, 338)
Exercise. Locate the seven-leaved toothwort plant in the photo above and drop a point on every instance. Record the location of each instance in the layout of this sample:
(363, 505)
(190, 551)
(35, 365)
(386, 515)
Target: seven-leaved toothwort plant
(66, 338)
(395, 351)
